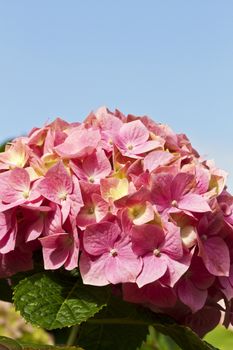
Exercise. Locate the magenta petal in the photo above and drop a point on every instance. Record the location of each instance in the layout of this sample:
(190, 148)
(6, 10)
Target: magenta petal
(153, 268)
(93, 270)
(216, 257)
(191, 296)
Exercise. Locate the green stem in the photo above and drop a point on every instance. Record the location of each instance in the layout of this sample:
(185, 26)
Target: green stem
(73, 335)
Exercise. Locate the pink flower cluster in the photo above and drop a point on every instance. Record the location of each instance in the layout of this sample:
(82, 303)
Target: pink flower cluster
(127, 201)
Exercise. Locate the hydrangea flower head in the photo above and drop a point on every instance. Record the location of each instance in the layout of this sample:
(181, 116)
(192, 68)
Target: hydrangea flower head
(128, 202)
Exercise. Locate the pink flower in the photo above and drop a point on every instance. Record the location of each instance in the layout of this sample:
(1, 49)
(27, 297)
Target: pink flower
(227, 284)
(60, 188)
(8, 231)
(174, 194)
(95, 208)
(137, 206)
(132, 140)
(16, 155)
(156, 159)
(93, 168)
(41, 221)
(16, 189)
(161, 252)
(225, 201)
(79, 143)
(212, 248)
(8, 265)
(109, 126)
(61, 248)
(108, 256)
(193, 286)
(129, 200)
(154, 295)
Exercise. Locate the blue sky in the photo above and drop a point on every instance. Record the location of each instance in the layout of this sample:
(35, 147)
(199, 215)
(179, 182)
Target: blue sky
(172, 60)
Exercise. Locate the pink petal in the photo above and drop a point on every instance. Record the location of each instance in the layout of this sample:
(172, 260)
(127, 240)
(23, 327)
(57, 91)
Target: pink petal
(8, 266)
(138, 197)
(146, 216)
(176, 269)
(194, 202)
(172, 244)
(191, 296)
(93, 270)
(146, 147)
(122, 269)
(56, 185)
(161, 190)
(7, 220)
(216, 257)
(155, 159)
(8, 242)
(160, 296)
(181, 184)
(97, 166)
(14, 185)
(100, 238)
(134, 133)
(154, 293)
(146, 238)
(35, 229)
(55, 250)
(101, 207)
(72, 260)
(153, 268)
(79, 143)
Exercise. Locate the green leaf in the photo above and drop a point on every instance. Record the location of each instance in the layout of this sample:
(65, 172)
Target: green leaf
(50, 301)
(123, 326)
(157, 340)
(115, 327)
(183, 336)
(9, 344)
(221, 337)
(30, 346)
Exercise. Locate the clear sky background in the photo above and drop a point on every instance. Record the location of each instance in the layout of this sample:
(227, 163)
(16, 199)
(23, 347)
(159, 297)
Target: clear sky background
(171, 60)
